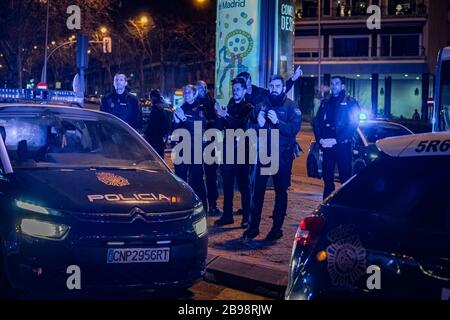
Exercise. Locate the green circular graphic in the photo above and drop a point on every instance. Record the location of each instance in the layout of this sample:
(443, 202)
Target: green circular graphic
(242, 44)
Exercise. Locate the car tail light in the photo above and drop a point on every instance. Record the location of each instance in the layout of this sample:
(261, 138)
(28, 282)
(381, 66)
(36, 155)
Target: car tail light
(308, 232)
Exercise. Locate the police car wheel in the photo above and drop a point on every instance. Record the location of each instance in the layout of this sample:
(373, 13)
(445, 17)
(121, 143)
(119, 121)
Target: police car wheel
(6, 291)
(311, 166)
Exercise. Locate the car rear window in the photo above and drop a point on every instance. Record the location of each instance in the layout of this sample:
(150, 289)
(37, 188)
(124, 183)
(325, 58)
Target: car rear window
(417, 188)
(375, 132)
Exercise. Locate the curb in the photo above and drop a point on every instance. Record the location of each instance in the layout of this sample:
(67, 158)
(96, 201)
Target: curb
(250, 277)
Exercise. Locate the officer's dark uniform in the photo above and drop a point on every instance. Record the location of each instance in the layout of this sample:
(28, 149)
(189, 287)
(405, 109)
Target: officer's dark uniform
(124, 106)
(289, 125)
(158, 127)
(337, 118)
(207, 104)
(193, 173)
(238, 118)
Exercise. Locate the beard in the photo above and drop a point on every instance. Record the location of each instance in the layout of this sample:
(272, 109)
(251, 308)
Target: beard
(276, 98)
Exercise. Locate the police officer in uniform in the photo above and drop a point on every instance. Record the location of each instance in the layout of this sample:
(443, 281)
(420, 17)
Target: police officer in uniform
(208, 103)
(234, 117)
(185, 117)
(277, 113)
(159, 123)
(121, 103)
(334, 128)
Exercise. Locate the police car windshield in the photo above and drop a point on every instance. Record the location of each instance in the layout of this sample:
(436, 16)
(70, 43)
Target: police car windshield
(378, 131)
(49, 140)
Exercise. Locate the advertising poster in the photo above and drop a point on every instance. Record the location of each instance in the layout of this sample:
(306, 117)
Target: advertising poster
(284, 37)
(237, 44)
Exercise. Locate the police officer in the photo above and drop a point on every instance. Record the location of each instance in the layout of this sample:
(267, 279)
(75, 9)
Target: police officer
(334, 128)
(121, 103)
(207, 104)
(159, 123)
(276, 113)
(256, 95)
(185, 117)
(236, 116)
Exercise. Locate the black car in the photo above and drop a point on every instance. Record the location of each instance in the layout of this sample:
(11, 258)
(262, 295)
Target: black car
(386, 233)
(82, 188)
(364, 148)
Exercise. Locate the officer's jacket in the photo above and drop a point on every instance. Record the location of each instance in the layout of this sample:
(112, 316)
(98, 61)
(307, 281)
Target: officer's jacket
(238, 116)
(207, 104)
(124, 106)
(346, 118)
(289, 121)
(194, 114)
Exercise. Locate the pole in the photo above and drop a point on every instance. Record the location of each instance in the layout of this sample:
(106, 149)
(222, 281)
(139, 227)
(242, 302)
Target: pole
(44, 74)
(320, 43)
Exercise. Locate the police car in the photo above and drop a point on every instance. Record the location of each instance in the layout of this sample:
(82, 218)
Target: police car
(81, 190)
(386, 233)
(364, 148)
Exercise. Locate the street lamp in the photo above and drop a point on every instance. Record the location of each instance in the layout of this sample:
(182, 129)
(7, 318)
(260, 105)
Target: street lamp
(104, 30)
(143, 20)
(200, 3)
(44, 74)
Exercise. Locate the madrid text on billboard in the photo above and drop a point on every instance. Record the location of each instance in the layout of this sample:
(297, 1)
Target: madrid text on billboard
(229, 4)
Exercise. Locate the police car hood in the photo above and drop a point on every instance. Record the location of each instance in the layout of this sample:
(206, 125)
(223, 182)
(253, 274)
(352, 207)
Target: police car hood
(100, 191)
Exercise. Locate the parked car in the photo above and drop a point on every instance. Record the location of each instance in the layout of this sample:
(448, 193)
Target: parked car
(80, 187)
(386, 233)
(364, 148)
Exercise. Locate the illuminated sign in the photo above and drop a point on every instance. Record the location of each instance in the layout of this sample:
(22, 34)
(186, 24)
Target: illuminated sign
(237, 44)
(284, 37)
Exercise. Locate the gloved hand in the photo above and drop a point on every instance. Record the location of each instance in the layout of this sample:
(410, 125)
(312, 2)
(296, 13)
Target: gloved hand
(327, 143)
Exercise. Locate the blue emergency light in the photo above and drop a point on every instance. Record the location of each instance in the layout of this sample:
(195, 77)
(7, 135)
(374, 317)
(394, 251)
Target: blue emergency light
(39, 96)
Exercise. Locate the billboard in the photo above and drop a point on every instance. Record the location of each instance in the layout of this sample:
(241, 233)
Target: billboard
(284, 37)
(237, 43)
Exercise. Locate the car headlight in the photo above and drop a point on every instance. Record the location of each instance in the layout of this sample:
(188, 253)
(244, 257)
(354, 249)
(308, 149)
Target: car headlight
(31, 207)
(43, 229)
(201, 227)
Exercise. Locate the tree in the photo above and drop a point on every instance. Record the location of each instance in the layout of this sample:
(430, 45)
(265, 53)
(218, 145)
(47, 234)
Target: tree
(22, 27)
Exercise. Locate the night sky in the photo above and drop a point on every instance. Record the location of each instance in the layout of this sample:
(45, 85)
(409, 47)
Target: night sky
(183, 8)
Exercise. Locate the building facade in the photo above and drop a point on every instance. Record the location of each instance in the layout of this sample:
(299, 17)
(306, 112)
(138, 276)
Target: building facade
(390, 69)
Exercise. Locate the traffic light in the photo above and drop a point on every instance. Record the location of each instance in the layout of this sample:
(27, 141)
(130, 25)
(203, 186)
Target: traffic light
(107, 45)
(82, 51)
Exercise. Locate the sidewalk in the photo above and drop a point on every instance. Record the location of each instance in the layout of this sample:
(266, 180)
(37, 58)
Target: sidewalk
(255, 265)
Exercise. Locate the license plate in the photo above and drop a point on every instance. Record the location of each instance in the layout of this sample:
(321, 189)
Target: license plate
(138, 255)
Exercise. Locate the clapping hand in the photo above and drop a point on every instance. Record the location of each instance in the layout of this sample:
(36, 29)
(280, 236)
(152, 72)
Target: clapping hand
(261, 118)
(272, 115)
(221, 112)
(179, 114)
